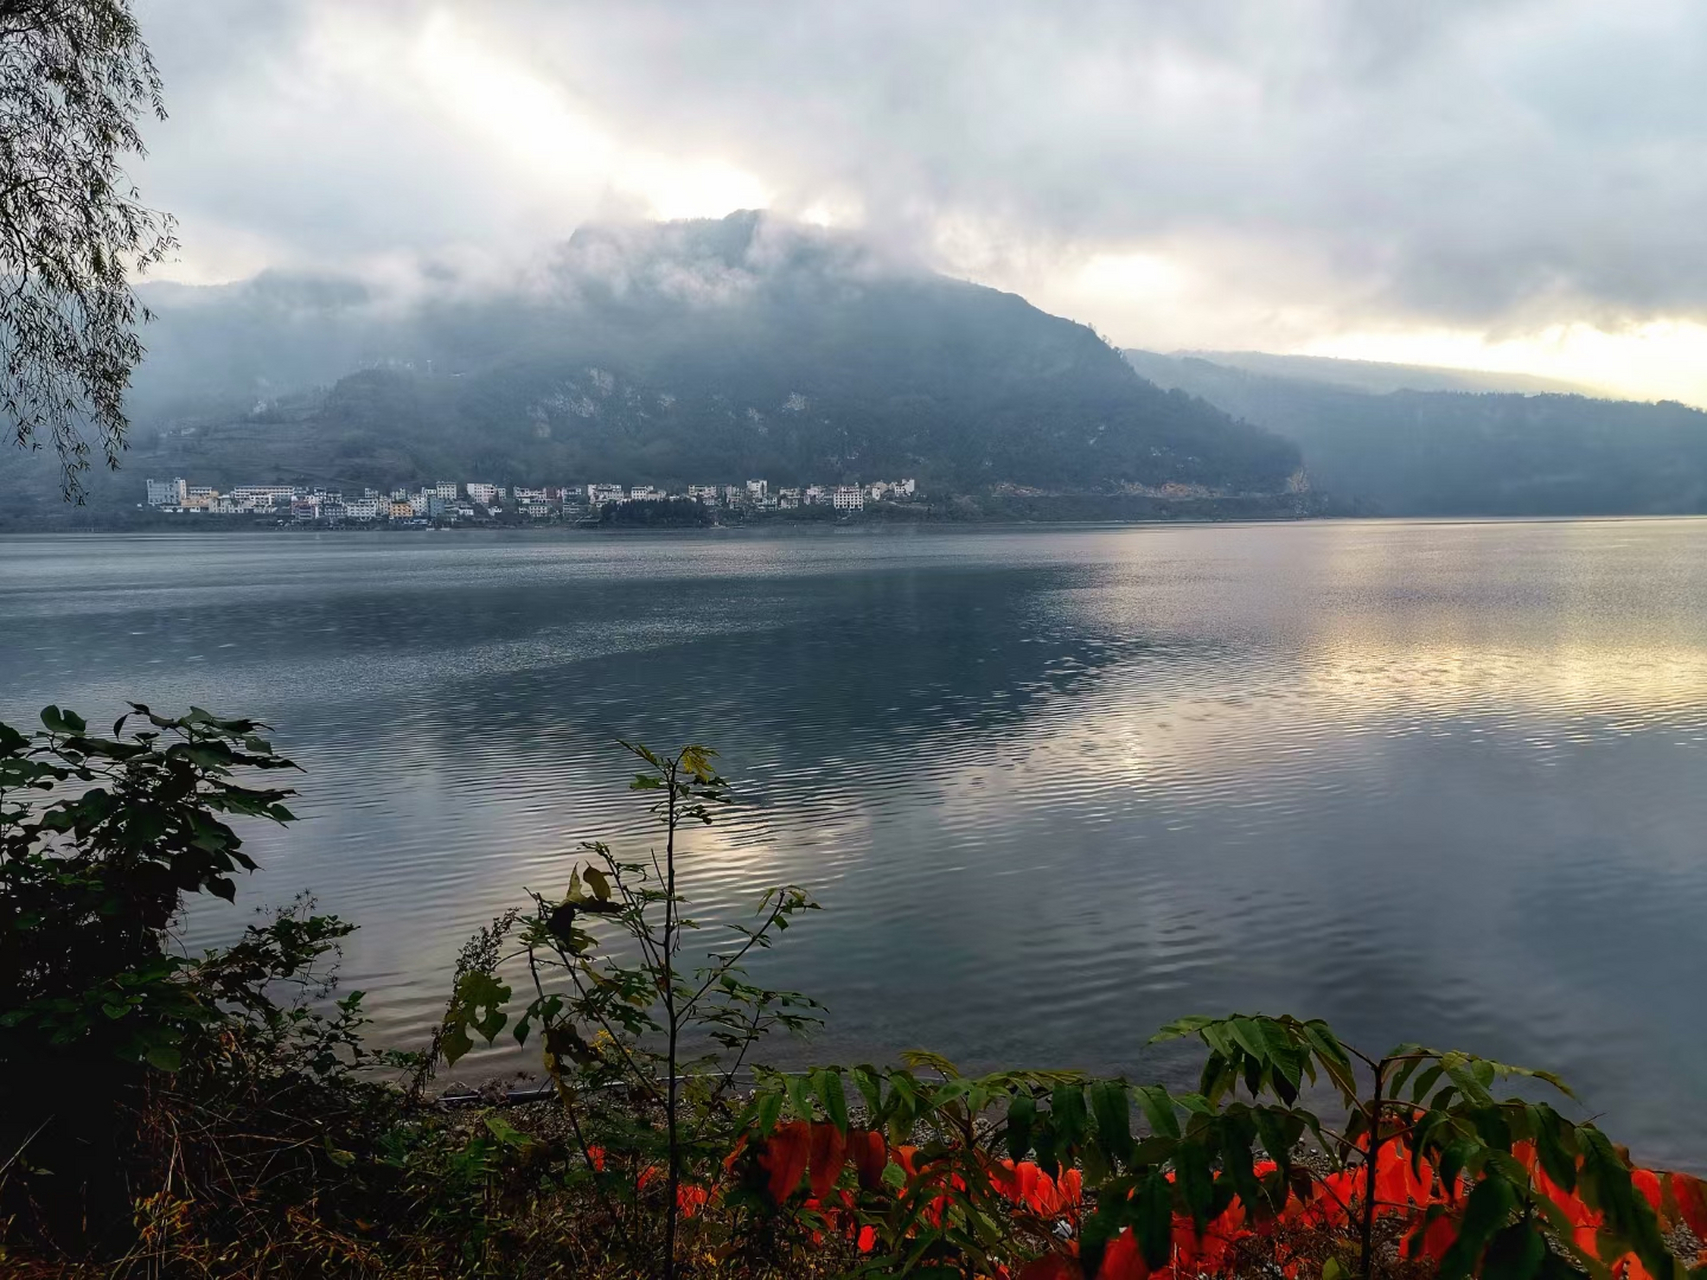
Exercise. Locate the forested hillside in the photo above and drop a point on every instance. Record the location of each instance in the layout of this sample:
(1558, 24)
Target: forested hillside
(1462, 453)
(700, 351)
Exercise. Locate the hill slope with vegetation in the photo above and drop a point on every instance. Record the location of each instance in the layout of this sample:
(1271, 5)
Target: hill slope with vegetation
(697, 351)
(1418, 452)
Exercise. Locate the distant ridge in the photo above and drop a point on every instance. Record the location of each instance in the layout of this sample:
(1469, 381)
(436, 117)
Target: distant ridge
(1379, 377)
(1456, 450)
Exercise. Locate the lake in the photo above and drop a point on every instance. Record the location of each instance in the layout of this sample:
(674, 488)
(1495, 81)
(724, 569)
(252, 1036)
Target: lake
(1053, 787)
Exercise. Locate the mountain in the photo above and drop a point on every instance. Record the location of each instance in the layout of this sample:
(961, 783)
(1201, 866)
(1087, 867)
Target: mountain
(1421, 452)
(702, 351)
(1378, 377)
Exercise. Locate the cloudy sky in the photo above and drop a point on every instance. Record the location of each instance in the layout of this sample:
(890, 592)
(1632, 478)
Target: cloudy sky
(1515, 184)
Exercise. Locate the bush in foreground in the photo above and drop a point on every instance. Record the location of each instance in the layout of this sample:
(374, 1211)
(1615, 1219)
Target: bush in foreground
(221, 1115)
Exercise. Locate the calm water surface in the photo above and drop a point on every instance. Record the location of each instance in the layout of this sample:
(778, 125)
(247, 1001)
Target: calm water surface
(1430, 781)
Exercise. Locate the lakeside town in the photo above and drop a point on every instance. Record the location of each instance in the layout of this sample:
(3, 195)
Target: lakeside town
(449, 502)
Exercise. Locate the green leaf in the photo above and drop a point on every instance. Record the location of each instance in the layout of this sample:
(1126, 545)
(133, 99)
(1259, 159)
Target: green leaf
(1180, 1029)
(1158, 1110)
(455, 1043)
(1153, 1220)
(1022, 1115)
(166, 1057)
(798, 1097)
(827, 1085)
(597, 882)
(1111, 1106)
(1515, 1253)
(769, 1111)
(1490, 1204)
(871, 1091)
(1067, 1114)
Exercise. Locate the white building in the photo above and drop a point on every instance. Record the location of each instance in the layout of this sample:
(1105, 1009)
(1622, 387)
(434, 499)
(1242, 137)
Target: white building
(757, 490)
(446, 489)
(848, 497)
(599, 494)
(644, 493)
(788, 499)
(530, 495)
(815, 495)
(706, 493)
(734, 495)
(368, 508)
(167, 493)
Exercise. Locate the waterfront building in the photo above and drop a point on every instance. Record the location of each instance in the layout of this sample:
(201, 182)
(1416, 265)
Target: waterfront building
(167, 493)
(848, 497)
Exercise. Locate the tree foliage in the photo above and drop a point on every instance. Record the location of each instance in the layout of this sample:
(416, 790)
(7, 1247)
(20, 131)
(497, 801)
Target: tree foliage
(76, 80)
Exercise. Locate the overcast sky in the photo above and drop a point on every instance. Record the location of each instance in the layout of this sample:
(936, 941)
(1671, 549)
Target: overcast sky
(1496, 183)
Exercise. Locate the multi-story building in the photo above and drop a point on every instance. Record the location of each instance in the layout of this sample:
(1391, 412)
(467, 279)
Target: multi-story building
(893, 490)
(365, 508)
(848, 497)
(530, 495)
(734, 495)
(757, 490)
(262, 497)
(599, 494)
(644, 493)
(167, 493)
(705, 493)
(485, 494)
(446, 489)
(815, 495)
(788, 499)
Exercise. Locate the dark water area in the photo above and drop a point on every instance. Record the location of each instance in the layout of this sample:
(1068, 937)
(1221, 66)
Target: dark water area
(1431, 781)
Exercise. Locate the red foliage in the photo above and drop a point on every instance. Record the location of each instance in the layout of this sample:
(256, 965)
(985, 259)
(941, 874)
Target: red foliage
(784, 1156)
(828, 1153)
(1403, 1189)
(1121, 1260)
(870, 1156)
(1690, 1196)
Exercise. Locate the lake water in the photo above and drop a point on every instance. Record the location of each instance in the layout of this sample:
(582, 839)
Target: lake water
(1443, 782)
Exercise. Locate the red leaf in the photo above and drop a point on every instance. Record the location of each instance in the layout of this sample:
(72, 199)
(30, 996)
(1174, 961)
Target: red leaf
(870, 1156)
(1122, 1260)
(1437, 1238)
(1648, 1183)
(784, 1157)
(829, 1154)
(1691, 1196)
